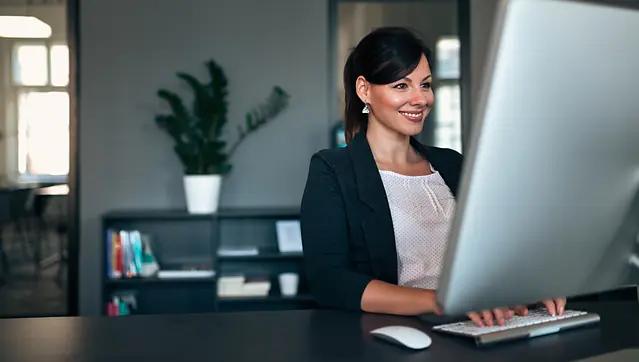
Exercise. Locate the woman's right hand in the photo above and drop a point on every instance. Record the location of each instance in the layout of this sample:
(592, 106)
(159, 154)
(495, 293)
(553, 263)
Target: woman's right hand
(495, 316)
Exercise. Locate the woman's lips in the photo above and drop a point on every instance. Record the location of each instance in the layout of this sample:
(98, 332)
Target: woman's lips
(413, 116)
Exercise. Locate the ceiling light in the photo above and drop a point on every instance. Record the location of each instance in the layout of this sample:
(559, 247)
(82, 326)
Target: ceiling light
(23, 27)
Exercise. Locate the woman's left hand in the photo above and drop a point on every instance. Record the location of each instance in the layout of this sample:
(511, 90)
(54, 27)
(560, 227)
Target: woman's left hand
(554, 306)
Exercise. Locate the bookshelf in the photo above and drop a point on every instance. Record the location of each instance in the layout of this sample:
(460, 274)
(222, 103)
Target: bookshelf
(181, 241)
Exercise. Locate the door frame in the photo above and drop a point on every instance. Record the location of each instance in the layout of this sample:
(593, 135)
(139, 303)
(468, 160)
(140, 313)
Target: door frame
(73, 180)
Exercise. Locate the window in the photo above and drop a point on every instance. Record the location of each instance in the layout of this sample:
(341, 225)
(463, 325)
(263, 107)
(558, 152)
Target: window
(40, 76)
(448, 94)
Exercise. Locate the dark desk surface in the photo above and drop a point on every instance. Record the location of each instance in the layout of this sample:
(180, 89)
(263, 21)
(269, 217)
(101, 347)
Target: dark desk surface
(297, 336)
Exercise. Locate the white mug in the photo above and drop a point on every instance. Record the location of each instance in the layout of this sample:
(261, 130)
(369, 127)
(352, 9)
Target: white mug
(288, 283)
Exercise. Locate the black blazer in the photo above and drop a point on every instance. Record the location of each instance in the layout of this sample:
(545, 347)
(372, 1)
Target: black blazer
(347, 231)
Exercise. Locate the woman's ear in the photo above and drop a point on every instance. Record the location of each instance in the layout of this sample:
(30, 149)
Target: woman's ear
(362, 87)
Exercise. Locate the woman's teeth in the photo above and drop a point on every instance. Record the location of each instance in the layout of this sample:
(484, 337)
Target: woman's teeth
(414, 116)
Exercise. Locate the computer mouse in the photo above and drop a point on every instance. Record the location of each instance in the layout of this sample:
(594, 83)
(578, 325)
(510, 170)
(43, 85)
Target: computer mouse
(405, 336)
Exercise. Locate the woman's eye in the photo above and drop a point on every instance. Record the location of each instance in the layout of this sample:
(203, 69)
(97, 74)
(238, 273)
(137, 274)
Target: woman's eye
(400, 86)
(426, 85)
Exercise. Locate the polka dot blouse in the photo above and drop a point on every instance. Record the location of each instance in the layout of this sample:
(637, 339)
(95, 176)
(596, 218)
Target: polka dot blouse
(422, 208)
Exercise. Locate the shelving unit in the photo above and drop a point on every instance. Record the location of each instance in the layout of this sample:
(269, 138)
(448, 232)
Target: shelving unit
(256, 228)
(180, 239)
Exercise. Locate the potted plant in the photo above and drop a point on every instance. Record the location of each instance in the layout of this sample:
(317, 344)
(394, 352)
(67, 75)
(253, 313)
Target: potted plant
(198, 133)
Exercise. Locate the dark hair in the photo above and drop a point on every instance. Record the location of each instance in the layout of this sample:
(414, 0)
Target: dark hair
(383, 56)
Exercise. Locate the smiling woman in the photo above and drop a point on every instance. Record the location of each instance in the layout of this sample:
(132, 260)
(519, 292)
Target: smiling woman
(376, 214)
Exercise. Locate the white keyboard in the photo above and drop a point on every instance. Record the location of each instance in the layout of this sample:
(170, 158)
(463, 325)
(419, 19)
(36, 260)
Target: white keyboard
(537, 323)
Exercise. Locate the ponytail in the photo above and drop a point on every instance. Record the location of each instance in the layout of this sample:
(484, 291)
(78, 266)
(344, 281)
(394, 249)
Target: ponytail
(354, 119)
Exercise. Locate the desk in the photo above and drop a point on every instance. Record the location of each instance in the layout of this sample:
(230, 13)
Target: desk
(296, 336)
(43, 196)
(12, 208)
(56, 190)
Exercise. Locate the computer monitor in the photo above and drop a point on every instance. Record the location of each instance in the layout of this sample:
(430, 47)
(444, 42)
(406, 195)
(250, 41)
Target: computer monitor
(548, 204)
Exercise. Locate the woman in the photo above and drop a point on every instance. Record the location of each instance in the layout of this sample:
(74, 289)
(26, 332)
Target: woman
(376, 214)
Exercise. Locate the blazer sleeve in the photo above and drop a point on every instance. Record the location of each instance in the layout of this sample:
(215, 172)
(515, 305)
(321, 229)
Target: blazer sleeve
(325, 241)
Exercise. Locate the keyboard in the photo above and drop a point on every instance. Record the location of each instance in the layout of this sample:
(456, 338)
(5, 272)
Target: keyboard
(537, 323)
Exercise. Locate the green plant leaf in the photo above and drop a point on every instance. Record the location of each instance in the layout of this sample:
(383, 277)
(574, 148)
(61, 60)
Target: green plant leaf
(202, 111)
(176, 104)
(197, 132)
(276, 103)
(218, 91)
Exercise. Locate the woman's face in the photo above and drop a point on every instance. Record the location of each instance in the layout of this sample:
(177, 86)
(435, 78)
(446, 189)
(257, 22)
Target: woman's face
(403, 105)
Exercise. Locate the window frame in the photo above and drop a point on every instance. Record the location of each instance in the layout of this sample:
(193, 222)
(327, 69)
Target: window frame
(438, 83)
(438, 122)
(14, 90)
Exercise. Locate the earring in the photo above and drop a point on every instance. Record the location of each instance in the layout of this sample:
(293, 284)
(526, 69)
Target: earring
(366, 110)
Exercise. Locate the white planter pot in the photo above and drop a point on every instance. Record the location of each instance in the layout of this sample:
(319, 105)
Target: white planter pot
(202, 193)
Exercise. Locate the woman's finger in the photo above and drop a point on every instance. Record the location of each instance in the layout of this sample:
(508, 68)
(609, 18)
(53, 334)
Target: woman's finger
(509, 313)
(560, 303)
(487, 316)
(550, 305)
(521, 310)
(500, 318)
(476, 318)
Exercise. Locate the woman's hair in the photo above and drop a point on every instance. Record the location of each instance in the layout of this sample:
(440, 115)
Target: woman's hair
(383, 56)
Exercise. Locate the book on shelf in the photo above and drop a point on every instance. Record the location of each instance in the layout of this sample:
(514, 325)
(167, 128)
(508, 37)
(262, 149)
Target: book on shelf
(129, 255)
(121, 304)
(124, 253)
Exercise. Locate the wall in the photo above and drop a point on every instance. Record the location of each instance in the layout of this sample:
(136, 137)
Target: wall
(55, 16)
(126, 55)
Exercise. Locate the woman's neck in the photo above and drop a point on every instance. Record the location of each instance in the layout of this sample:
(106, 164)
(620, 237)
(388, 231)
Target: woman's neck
(388, 146)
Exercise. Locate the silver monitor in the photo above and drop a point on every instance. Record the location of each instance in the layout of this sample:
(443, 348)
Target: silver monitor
(548, 203)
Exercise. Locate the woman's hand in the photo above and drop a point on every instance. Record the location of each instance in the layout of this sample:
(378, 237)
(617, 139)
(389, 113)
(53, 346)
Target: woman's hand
(500, 315)
(555, 306)
(491, 317)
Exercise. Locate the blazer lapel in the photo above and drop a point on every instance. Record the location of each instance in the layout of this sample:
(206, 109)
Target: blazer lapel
(377, 224)
(440, 163)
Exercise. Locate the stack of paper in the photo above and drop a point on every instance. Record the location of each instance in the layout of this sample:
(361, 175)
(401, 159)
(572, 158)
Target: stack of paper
(240, 286)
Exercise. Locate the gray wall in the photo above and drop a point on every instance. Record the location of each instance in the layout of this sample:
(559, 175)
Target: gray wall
(129, 49)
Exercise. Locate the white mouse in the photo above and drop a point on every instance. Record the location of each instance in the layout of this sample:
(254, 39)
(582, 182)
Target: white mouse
(406, 336)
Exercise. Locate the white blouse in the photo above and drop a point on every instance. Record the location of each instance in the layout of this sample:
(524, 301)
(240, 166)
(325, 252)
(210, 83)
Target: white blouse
(422, 208)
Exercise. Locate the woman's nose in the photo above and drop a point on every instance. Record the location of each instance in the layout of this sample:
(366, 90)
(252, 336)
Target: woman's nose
(419, 98)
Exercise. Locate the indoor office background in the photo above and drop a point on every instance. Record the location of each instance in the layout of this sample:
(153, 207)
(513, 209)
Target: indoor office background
(77, 112)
